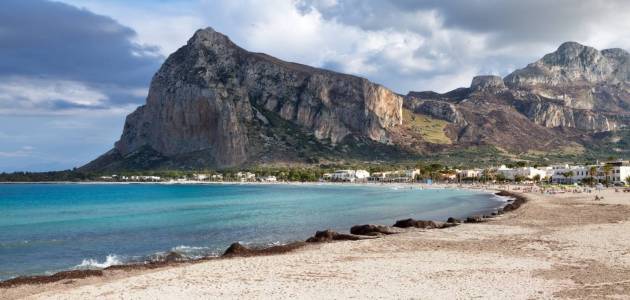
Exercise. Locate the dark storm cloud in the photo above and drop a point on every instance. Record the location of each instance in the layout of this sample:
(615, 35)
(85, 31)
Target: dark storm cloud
(56, 41)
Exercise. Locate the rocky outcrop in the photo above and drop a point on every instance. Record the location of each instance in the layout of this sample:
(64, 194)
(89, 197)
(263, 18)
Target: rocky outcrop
(438, 109)
(453, 220)
(488, 83)
(213, 104)
(579, 76)
(475, 219)
(372, 230)
(573, 64)
(550, 114)
(239, 250)
(209, 94)
(516, 202)
(330, 235)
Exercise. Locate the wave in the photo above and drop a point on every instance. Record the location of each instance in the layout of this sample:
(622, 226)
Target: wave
(90, 263)
(192, 252)
(503, 198)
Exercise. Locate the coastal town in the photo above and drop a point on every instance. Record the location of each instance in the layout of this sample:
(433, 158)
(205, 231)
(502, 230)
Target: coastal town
(614, 173)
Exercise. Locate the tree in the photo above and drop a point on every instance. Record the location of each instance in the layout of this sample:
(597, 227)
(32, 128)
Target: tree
(607, 169)
(500, 177)
(521, 164)
(488, 174)
(592, 171)
(567, 175)
(628, 180)
(588, 180)
(536, 178)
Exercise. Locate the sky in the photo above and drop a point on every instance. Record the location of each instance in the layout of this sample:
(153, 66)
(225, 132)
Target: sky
(71, 70)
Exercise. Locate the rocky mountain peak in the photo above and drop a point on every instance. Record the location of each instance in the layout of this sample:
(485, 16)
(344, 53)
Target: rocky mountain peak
(212, 104)
(208, 36)
(487, 83)
(573, 64)
(579, 61)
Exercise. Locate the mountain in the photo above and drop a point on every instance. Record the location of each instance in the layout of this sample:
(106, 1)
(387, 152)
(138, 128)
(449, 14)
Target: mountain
(213, 104)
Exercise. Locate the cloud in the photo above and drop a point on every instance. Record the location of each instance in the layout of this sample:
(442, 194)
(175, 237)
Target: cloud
(31, 93)
(489, 36)
(165, 24)
(54, 56)
(24, 151)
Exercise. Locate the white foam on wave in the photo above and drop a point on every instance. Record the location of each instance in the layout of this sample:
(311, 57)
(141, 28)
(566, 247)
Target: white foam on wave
(503, 198)
(193, 252)
(90, 263)
(187, 248)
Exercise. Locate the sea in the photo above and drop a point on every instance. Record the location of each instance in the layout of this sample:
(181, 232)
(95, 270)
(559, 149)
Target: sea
(46, 228)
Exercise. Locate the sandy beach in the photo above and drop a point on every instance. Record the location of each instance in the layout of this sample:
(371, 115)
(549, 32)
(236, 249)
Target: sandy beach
(555, 246)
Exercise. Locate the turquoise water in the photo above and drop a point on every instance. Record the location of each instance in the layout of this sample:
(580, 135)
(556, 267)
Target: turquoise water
(46, 228)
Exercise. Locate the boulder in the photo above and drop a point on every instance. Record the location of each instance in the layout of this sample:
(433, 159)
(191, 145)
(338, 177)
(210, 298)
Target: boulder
(475, 219)
(236, 249)
(329, 236)
(173, 257)
(453, 220)
(406, 223)
(371, 230)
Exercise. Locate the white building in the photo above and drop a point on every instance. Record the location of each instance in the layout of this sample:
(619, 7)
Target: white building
(395, 176)
(350, 175)
(619, 172)
(246, 176)
(269, 179)
(201, 177)
(523, 172)
(566, 174)
(144, 178)
(412, 173)
(472, 173)
(217, 177)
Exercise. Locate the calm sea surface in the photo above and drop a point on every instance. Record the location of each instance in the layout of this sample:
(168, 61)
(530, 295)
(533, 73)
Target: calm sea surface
(46, 228)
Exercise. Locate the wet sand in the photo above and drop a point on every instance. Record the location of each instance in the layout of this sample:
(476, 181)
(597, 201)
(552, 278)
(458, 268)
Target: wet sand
(554, 246)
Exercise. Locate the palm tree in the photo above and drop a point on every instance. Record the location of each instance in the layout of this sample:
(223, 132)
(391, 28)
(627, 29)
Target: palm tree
(567, 175)
(592, 171)
(628, 180)
(488, 174)
(607, 168)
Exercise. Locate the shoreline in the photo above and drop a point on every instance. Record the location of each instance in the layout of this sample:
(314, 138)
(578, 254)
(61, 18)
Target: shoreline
(557, 245)
(172, 258)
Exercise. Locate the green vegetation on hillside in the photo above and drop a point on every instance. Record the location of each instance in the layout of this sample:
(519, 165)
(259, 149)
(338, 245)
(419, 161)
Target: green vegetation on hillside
(431, 129)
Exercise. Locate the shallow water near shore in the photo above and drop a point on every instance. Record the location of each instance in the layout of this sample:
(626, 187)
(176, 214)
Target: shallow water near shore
(45, 228)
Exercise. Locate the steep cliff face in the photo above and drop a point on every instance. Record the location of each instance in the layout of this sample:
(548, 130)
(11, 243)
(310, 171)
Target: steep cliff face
(553, 115)
(487, 83)
(211, 96)
(573, 92)
(213, 104)
(580, 76)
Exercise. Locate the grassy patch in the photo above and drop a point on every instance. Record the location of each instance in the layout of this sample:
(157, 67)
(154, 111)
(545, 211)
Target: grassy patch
(431, 130)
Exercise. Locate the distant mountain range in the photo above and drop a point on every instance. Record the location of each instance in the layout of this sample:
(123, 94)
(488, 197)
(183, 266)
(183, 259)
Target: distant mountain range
(213, 104)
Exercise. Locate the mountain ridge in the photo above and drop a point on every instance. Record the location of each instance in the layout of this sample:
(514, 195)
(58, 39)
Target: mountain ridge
(214, 104)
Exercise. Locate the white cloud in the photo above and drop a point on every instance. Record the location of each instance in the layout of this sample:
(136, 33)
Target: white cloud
(37, 96)
(32, 92)
(167, 26)
(24, 151)
(403, 45)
